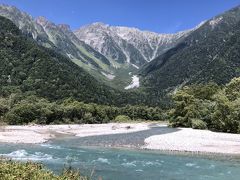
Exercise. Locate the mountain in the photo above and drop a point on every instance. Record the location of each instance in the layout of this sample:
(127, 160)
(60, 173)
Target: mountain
(58, 37)
(138, 61)
(110, 54)
(30, 68)
(128, 45)
(25, 23)
(61, 39)
(210, 53)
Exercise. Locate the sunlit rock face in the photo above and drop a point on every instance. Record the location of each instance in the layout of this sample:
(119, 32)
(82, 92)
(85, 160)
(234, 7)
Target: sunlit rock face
(128, 45)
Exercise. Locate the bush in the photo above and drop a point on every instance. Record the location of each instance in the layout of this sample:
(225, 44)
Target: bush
(178, 122)
(122, 118)
(3, 109)
(34, 171)
(198, 124)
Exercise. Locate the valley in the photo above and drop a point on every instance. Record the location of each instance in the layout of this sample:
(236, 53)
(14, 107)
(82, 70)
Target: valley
(118, 102)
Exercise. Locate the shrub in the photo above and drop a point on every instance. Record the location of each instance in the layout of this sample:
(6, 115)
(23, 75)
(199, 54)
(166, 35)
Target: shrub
(198, 124)
(122, 118)
(34, 171)
(3, 109)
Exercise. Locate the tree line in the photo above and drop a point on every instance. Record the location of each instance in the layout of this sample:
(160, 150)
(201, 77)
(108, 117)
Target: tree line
(208, 106)
(24, 109)
(202, 106)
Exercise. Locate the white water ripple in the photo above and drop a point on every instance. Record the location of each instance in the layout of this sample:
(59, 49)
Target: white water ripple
(190, 164)
(51, 146)
(129, 164)
(102, 160)
(25, 156)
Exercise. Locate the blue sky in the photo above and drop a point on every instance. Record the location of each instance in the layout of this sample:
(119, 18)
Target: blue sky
(164, 16)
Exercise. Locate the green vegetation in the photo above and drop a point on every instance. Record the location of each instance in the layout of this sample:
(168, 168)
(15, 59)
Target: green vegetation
(30, 68)
(21, 109)
(208, 107)
(39, 85)
(209, 54)
(10, 170)
(122, 118)
(198, 124)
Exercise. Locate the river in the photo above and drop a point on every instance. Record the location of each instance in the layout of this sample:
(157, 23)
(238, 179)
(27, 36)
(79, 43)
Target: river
(122, 164)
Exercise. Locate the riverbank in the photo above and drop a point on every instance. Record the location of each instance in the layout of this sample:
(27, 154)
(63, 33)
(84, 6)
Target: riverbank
(130, 135)
(198, 141)
(34, 134)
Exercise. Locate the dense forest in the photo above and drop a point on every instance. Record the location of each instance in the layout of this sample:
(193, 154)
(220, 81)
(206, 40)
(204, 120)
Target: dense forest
(21, 109)
(202, 106)
(33, 69)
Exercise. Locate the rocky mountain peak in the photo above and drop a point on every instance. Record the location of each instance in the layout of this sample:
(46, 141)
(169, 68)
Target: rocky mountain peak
(43, 21)
(127, 45)
(64, 27)
(100, 24)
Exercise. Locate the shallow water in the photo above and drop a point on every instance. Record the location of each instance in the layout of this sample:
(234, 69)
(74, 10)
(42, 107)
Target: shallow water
(134, 139)
(119, 164)
(122, 164)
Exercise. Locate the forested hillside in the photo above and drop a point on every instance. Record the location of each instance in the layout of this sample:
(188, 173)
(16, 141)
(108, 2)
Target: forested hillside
(61, 38)
(210, 53)
(29, 68)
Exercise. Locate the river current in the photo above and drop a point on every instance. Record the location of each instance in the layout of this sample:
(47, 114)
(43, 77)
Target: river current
(122, 164)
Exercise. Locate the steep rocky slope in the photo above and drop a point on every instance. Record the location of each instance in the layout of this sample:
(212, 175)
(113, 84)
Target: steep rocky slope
(58, 37)
(128, 45)
(210, 53)
(30, 68)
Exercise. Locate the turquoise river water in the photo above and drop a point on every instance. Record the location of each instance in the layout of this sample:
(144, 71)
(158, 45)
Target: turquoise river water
(122, 164)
